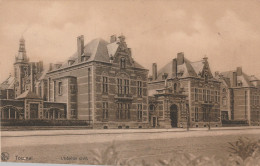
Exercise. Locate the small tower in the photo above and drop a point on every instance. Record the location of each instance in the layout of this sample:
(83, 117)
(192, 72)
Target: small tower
(21, 57)
(21, 68)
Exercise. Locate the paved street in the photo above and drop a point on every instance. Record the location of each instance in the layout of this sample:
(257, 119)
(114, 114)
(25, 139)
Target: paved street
(138, 144)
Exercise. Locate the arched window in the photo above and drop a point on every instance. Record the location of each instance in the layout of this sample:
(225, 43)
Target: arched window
(151, 107)
(122, 62)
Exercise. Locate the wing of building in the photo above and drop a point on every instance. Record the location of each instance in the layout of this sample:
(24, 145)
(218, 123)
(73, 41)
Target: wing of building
(240, 96)
(201, 106)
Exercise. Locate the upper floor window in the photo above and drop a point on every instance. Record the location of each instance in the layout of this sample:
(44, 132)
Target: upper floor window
(122, 63)
(126, 87)
(104, 84)
(196, 94)
(60, 88)
(139, 88)
(208, 95)
(122, 88)
(204, 94)
(224, 101)
(216, 96)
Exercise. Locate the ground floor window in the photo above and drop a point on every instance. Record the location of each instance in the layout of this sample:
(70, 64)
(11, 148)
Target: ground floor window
(123, 110)
(105, 110)
(140, 112)
(196, 114)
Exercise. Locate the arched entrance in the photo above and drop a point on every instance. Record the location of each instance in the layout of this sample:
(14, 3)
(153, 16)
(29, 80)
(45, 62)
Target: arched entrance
(174, 115)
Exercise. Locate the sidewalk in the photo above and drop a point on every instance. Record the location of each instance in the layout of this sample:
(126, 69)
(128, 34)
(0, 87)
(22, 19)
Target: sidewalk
(112, 131)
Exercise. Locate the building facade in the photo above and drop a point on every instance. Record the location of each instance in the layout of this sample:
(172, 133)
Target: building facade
(240, 96)
(101, 83)
(196, 82)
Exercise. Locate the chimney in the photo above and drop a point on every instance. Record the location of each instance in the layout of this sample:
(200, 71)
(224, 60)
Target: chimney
(180, 58)
(154, 71)
(112, 38)
(174, 68)
(239, 71)
(80, 44)
(234, 79)
(50, 67)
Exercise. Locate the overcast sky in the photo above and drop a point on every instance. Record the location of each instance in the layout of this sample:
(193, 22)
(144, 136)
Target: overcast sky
(227, 32)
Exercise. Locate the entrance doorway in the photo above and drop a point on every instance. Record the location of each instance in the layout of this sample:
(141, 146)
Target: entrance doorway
(33, 111)
(154, 121)
(174, 115)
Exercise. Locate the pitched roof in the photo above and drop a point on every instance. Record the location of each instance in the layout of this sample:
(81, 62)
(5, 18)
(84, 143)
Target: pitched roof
(8, 83)
(244, 78)
(28, 95)
(187, 69)
(97, 50)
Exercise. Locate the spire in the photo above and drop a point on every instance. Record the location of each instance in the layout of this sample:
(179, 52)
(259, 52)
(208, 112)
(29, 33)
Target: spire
(21, 57)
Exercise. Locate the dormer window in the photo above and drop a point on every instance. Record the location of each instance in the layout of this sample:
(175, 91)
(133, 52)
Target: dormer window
(122, 63)
(239, 83)
(164, 76)
(70, 62)
(83, 58)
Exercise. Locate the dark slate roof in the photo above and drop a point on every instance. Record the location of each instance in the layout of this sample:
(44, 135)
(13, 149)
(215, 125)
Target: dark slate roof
(8, 83)
(28, 95)
(244, 78)
(189, 69)
(98, 50)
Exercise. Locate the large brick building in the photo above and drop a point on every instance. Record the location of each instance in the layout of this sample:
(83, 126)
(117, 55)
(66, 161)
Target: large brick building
(240, 96)
(196, 82)
(103, 85)
(100, 83)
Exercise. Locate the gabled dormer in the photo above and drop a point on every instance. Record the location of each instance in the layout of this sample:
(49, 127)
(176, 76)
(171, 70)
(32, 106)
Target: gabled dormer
(206, 72)
(119, 53)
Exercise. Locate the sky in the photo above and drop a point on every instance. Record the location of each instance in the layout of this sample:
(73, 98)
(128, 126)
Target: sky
(226, 31)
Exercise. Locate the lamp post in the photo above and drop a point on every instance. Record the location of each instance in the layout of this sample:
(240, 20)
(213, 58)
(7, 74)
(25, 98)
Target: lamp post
(188, 117)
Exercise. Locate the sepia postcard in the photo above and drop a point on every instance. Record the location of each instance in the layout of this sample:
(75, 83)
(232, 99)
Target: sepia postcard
(134, 82)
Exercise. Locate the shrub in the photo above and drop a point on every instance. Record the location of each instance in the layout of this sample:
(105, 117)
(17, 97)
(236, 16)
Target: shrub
(245, 148)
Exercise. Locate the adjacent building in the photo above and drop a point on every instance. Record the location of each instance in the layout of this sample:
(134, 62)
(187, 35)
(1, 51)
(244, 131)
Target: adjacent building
(200, 107)
(240, 96)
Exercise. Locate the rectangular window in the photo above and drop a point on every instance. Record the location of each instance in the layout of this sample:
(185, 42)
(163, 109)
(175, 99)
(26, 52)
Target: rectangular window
(139, 88)
(140, 112)
(208, 95)
(204, 114)
(196, 94)
(119, 110)
(127, 111)
(196, 114)
(126, 87)
(105, 110)
(216, 96)
(60, 88)
(119, 86)
(105, 84)
(204, 95)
